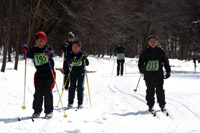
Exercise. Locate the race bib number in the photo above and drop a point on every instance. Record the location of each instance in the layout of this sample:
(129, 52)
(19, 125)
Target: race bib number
(120, 56)
(40, 59)
(77, 63)
(152, 65)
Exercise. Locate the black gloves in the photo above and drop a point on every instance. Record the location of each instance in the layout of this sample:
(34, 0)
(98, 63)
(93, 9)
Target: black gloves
(84, 58)
(142, 70)
(167, 75)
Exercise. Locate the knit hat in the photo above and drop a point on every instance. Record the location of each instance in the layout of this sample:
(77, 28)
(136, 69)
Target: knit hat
(70, 35)
(41, 35)
(120, 42)
(152, 36)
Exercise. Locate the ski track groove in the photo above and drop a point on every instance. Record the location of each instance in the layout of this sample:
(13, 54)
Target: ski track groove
(184, 106)
(132, 103)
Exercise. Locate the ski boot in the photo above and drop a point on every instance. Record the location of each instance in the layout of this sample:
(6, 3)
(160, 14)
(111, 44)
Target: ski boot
(69, 106)
(48, 115)
(80, 106)
(36, 115)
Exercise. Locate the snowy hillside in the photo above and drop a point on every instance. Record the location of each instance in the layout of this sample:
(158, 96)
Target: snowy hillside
(116, 108)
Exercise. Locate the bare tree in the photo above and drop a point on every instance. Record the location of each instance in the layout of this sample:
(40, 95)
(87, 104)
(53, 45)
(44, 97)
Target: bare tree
(6, 28)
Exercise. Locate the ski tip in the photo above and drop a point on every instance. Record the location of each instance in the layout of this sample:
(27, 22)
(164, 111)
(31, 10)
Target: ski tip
(166, 113)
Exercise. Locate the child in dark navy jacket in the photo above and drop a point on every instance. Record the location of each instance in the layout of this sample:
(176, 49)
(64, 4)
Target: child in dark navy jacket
(120, 52)
(77, 61)
(66, 48)
(42, 54)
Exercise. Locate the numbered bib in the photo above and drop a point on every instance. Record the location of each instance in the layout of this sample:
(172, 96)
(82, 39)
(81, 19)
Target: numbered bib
(40, 59)
(152, 65)
(120, 56)
(77, 63)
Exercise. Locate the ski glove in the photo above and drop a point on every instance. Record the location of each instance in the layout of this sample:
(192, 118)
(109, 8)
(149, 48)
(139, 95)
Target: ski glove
(47, 53)
(25, 48)
(141, 70)
(167, 75)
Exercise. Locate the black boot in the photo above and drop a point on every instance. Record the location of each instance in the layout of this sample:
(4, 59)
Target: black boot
(150, 108)
(162, 108)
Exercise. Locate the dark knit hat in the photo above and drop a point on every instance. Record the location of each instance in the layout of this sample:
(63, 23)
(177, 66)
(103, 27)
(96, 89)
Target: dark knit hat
(71, 35)
(152, 36)
(41, 35)
(120, 42)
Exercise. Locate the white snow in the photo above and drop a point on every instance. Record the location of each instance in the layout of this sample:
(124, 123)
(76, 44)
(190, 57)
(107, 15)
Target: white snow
(116, 108)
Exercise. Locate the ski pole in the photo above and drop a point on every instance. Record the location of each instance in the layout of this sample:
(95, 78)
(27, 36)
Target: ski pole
(65, 116)
(113, 67)
(87, 83)
(24, 107)
(125, 68)
(66, 81)
(138, 83)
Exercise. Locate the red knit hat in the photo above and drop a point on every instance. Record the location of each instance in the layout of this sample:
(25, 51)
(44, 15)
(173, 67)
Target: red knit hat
(41, 35)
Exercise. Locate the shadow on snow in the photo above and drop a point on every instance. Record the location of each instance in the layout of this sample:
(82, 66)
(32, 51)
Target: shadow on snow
(133, 113)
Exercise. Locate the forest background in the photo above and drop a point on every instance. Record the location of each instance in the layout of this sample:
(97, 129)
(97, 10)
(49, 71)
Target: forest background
(100, 24)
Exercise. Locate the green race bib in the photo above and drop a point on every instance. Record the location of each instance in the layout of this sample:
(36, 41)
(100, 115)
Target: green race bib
(77, 63)
(40, 59)
(152, 65)
(120, 56)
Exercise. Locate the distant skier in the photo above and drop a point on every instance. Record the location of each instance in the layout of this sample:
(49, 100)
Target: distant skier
(66, 48)
(76, 59)
(151, 63)
(42, 54)
(120, 52)
(195, 64)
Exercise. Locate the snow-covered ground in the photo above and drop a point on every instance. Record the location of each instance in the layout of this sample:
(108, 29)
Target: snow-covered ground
(116, 108)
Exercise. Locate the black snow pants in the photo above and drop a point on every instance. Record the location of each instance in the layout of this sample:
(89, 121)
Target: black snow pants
(44, 84)
(155, 85)
(120, 67)
(66, 72)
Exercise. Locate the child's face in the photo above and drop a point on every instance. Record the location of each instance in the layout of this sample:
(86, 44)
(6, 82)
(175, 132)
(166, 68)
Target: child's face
(76, 48)
(153, 42)
(71, 39)
(40, 43)
(118, 45)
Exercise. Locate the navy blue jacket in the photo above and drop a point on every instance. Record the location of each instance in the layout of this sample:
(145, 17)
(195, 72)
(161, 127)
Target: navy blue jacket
(41, 61)
(79, 62)
(66, 48)
(120, 51)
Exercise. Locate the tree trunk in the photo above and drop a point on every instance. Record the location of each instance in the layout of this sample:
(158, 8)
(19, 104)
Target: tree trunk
(17, 48)
(5, 49)
(6, 41)
(31, 25)
(9, 49)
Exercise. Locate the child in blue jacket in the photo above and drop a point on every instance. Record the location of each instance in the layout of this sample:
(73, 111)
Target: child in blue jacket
(77, 61)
